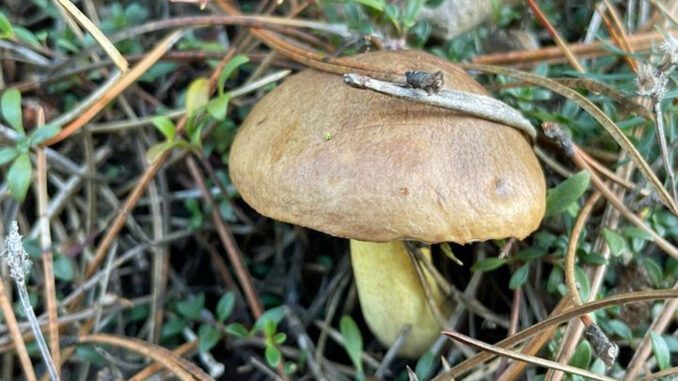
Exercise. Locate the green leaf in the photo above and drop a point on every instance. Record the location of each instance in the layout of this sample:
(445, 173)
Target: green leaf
(353, 340)
(89, 355)
(489, 264)
(165, 126)
(218, 107)
(273, 356)
(594, 259)
(194, 132)
(530, 253)
(228, 70)
(374, 4)
(191, 307)
(19, 177)
(63, 268)
(582, 356)
(236, 329)
(10, 107)
(197, 95)
(7, 154)
(6, 31)
(615, 241)
(654, 270)
(621, 329)
(555, 279)
(660, 350)
(44, 133)
(156, 150)
(26, 36)
(558, 199)
(225, 306)
(269, 328)
(274, 314)
(279, 338)
(172, 327)
(139, 313)
(583, 283)
(424, 366)
(520, 276)
(208, 337)
(158, 70)
(411, 11)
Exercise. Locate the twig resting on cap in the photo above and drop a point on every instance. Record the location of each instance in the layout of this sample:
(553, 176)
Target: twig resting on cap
(469, 103)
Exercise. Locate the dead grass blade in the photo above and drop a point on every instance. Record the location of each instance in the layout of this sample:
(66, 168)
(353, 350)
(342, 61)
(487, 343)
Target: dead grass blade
(616, 30)
(150, 370)
(47, 258)
(13, 326)
(644, 349)
(181, 367)
(541, 17)
(627, 103)
(525, 358)
(556, 320)
(105, 43)
(597, 114)
(118, 87)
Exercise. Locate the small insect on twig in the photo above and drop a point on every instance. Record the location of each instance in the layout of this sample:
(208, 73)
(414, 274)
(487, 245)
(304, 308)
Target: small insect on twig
(429, 82)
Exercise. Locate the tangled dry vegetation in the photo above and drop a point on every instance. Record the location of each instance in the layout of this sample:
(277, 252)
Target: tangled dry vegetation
(129, 254)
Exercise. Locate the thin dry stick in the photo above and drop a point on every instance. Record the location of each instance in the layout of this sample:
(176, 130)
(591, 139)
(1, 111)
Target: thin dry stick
(16, 258)
(662, 243)
(134, 196)
(616, 30)
(48, 260)
(525, 358)
(105, 43)
(13, 326)
(606, 350)
(662, 375)
(536, 343)
(149, 371)
(641, 41)
(555, 320)
(611, 175)
(228, 241)
(665, 12)
(575, 329)
(118, 87)
(573, 243)
(555, 35)
(474, 104)
(597, 114)
(645, 347)
(426, 286)
(553, 131)
(179, 366)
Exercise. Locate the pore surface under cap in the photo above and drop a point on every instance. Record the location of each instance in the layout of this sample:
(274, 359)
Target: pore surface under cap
(357, 164)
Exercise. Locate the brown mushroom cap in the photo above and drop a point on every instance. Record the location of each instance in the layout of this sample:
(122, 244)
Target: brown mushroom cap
(357, 164)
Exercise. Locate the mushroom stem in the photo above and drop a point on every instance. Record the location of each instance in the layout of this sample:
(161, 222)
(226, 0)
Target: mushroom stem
(392, 296)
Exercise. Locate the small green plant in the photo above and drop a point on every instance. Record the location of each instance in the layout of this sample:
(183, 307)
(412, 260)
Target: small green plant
(198, 105)
(16, 33)
(353, 343)
(365, 16)
(267, 325)
(20, 171)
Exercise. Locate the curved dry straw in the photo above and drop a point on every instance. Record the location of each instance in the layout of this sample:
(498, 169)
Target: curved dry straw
(631, 297)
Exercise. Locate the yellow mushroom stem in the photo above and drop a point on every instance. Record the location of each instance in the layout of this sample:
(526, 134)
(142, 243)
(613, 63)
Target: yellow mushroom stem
(392, 296)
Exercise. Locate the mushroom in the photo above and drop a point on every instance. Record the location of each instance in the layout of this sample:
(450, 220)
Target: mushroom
(378, 170)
